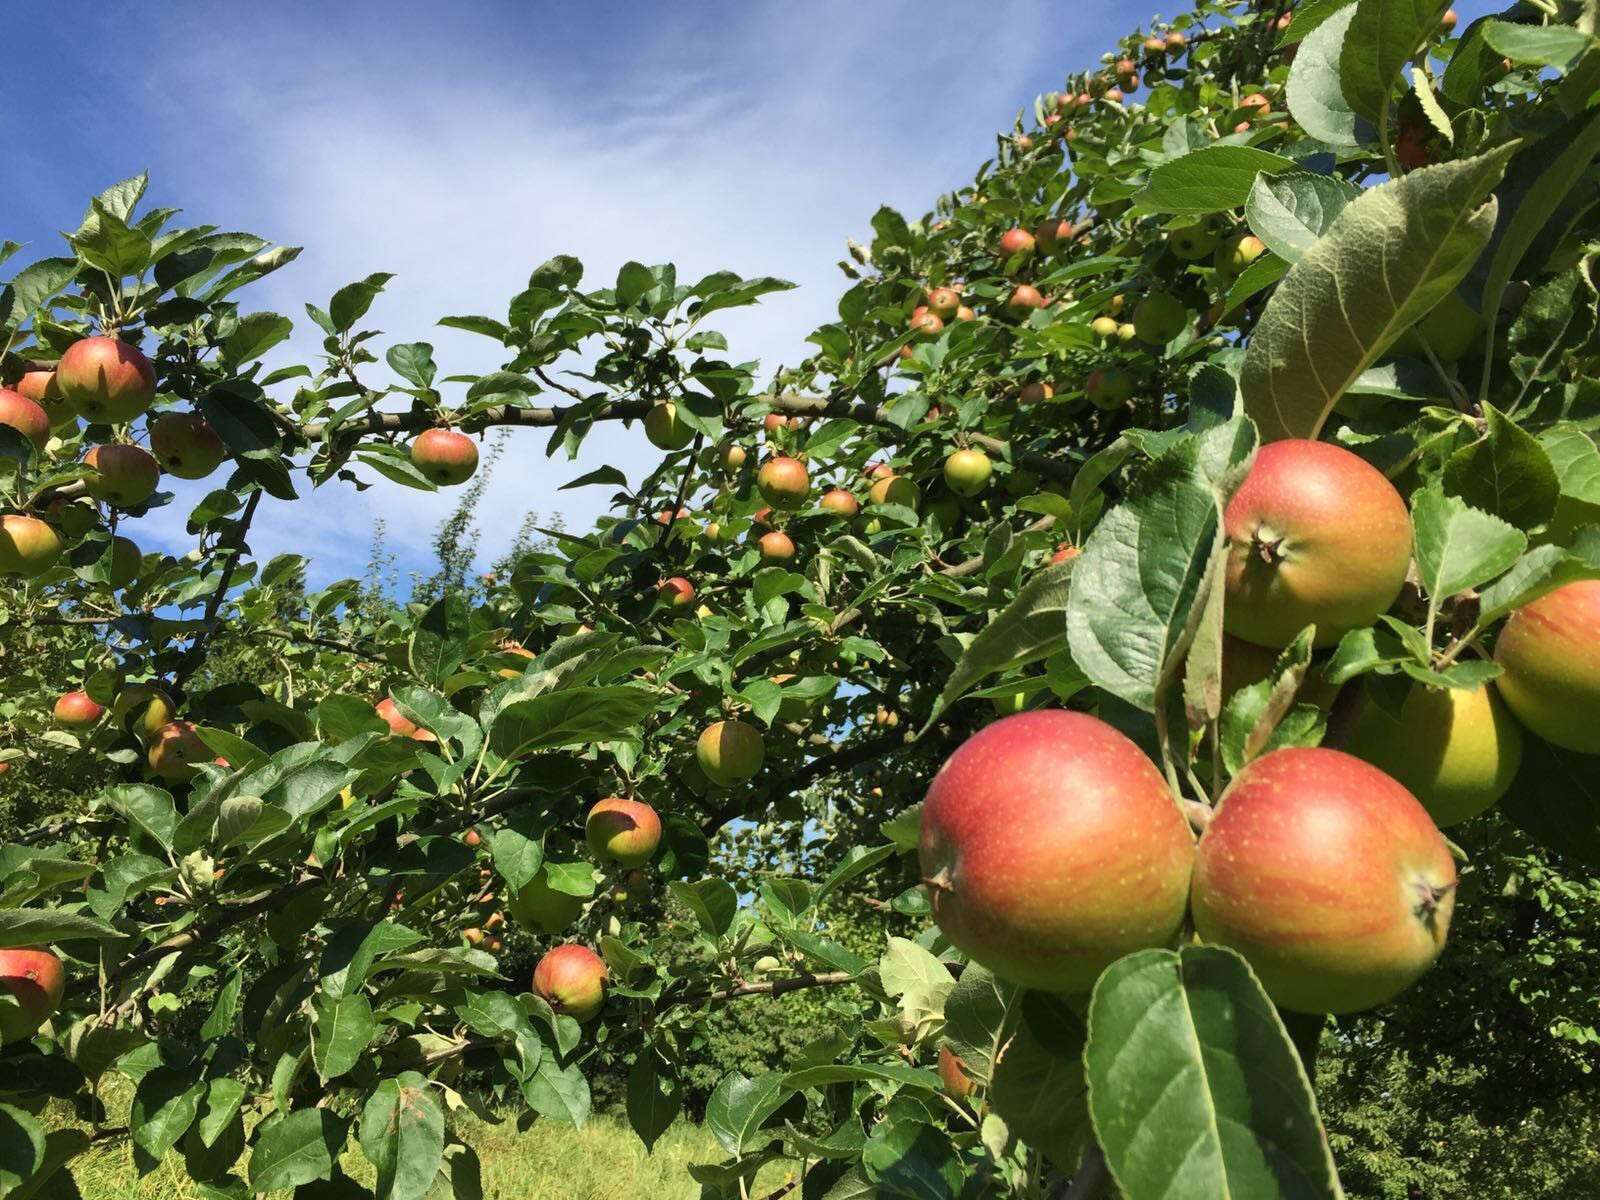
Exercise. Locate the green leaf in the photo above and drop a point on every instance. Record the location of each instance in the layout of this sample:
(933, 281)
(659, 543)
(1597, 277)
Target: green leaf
(344, 1028)
(1539, 572)
(830, 1073)
(402, 1136)
(1383, 36)
(1194, 1086)
(1315, 91)
(712, 901)
(106, 241)
(1558, 46)
(574, 717)
(919, 981)
(1038, 1086)
(913, 1161)
(1506, 473)
(1326, 322)
(1555, 798)
(740, 1106)
(654, 1098)
(413, 362)
(149, 808)
(351, 302)
(255, 335)
(517, 854)
(1289, 212)
(22, 1147)
(301, 1147)
(38, 926)
(1457, 546)
(560, 1093)
(1209, 180)
(165, 1104)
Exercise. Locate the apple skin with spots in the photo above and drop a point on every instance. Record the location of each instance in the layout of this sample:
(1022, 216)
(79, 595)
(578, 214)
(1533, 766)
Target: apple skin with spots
(1051, 847)
(1328, 876)
(1550, 650)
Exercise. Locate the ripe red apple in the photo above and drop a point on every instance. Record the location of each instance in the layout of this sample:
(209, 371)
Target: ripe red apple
(400, 725)
(783, 482)
(839, 502)
(776, 546)
(28, 547)
(1318, 536)
(75, 710)
(733, 456)
(36, 980)
(944, 302)
(1024, 299)
(895, 489)
(1035, 393)
(444, 456)
(677, 592)
(926, 325)
(186, 446)
(40, 387)
(1256, 104)
(1064, 553)
(665, 427)
(1328, 876)
(572, 979)
(622, 832)
(1015, 241)
(25, 416)
(1550, 651)
(143, 710)
(471, 838)
(967, 472)
(1053, 235)
(176, 749)
(1456, 751)
(541, 906)
(106, 380)
(126, 475)
(729, 751)
(1051, 847)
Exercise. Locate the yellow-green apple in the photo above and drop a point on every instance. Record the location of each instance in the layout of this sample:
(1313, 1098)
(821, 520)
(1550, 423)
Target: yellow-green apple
(783, 482)
(25, 416)
(1104, 328)
(538, 904)
(676, 592)
(968, 471)
(176, 749)
(1550, 651)
(1051, 847)
(445, 456)
(1159, 318)
(572, 980)
(1449, 331)
(106, 380)
(1192, 242)
(28, 546)
(76, 710)
(776, 546)
(1328, 876)
(1454, 749)
(399, 724)
(733, 456)
(1317, 536)
(729, 751)
(665, 427)
(143, 710)
(1024, 299)
(839, 502)
(186, 446)
(36, 982)
(1015, 241)
(125, 475)
(125, 563)
(1238, 252)
(622, 832)
(944, 302)
(895, 489)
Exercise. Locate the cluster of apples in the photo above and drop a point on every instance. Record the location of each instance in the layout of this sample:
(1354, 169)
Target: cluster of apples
(173, 747)
(1051, 846)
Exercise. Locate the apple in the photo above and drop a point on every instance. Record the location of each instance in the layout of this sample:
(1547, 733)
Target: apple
(444, 456)
(541, 906)
(839, 502)
(1127, 332)
(1238, 252)
(1550, 652)
(571, 978)
(37, 982)
(1051, 847)
(1455, 750)
(1109, 389)
(783, 482)
(471, 838)
(399, 724)
(186, 446)
(1192, 242)
(1450, 330)
(40, 387)
(729, 751)
(776, 546)
(1053, 234)
(1317, 537)
(106, 380)
(1159, 318)
(886, 718)
(1256, 104)
(773, 422)
(733, 456)
(953, 1073)
(125, 476)
(968, 471)
(1023, 299)
(126, 561)
(1412, 147)
(676, 592)
(25, 416)
(75, 710)
(28, 546)
(1022, 142)
(1035, 393)
(1154, 45)
(879, 470)
(926, 325)
(1448, 21)
(1064, 553)
(1115, 95)
(1015, 241)
(1175, 43)
(175, 750)
(944, 302)
(143, 710)
(624, 833)
(895, 489)
(1328, 876)
(1104, 328)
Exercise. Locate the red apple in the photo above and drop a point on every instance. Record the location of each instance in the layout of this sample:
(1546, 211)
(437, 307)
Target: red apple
(175, 750)
(967, 472)
(25, 416)
(1318, 537)
(1064, 553)
(953, 1073)
(1035, 393)
(126, 476)
(677, 592)
(444, 456)
(776, 546)
(1015, 241)
(106, 380)
(926, 325)
(622, 832)
(75, 710)
(186, 446)
(572, 979)
(28, 547)
(944, 302)
(1328, 876)
(665, 427)
(839, 502)
(895, 489)
(1053, 235)
(1256, 104)
(1024, 299)
(400, 725)
(729, 751)
(40, 387)
(37, 981)
(1550, 651)
(1051, 847)
(783, 482)
(1109, 389)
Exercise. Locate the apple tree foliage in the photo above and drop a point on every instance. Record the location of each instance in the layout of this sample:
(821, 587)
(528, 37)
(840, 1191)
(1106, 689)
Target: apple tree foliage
(1356, 222)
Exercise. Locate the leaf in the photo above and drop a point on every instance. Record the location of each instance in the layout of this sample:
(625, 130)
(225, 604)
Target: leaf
(1459, 547)
(1031, 627)
(919, 981)
(150, 808)
(1039, 1087)
(344, 1028)
(1555, 798)
(1315, 92)
(517, 855)
(1289, 212)
(350, 303)
(413, 362)
(303, 1146)
(1210, 180)
(1506, 473)
(560, 1093)
(37, 926)
(402, 1136)
(1383, 36)
(106, 241)
(22, 1147)
(165, 1104)
(908, 1159)
(1327, 321)
(1558, 46)
(829, 1073)
(255, 335)
(574, 717)
(1194, 1086)
(857, 860)
(740, 1106)
(1536, 574)
(712, 901)
(654, 1098)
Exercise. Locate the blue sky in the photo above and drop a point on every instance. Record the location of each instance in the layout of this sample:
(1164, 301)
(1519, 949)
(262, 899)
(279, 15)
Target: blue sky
(459, 145)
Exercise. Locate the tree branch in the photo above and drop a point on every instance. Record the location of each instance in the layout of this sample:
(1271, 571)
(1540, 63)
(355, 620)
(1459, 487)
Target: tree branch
(234, 544)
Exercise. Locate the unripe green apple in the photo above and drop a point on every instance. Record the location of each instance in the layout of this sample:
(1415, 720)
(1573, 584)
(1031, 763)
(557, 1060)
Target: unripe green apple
(125, 476)
(538, 904)
(1317, 537)
(1450, 330)
(75, 710)
(1159, 318)
(125, 563)
(1109, 389)
(730, 751)
(28, 546)
(1051, 847)
(783, 482)
(106, 380)
(572, 980)
(143, 710)
(622, 832)
(1328, 876)
(1192, 242)
(36, 981)
(175, 751)
(186, 446)
(666, 428)
(895, 489)
(1550, 651)
(25, 416)
(968, 471)
(1455, 750)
